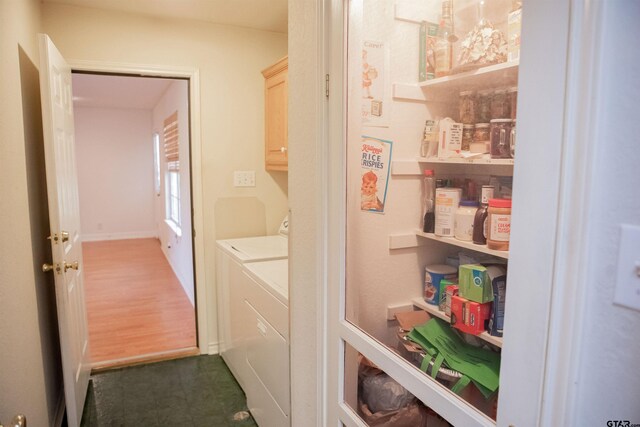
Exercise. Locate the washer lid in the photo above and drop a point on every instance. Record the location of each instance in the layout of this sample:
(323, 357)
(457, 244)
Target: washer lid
(256, 248)
(274, 276)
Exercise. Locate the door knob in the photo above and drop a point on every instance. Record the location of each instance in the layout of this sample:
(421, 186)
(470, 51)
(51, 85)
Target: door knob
(283, 149)
(70, 265)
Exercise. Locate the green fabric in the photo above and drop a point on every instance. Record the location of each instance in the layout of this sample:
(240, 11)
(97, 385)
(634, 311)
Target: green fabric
(419, 339)
(425, 363)
(436, 365)
(461, 384)
(481, 366)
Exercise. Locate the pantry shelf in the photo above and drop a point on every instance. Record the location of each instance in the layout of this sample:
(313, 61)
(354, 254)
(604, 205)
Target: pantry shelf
(463, 244)
(486, 160)
(433, 310)
(506, 73)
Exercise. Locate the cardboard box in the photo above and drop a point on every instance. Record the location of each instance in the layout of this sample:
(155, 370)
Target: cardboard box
(427, 53)
(469, 316)
(442, 295)
(450, 292)
(475, 283)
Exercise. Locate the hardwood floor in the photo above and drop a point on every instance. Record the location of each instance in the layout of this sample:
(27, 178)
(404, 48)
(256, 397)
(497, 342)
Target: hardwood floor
(136, 306)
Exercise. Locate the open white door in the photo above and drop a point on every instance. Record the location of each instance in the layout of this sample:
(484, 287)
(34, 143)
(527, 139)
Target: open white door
(64, 217)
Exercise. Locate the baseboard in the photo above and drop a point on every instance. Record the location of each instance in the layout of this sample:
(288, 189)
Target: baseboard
(214, 348)
(60, 408)
(96, 237)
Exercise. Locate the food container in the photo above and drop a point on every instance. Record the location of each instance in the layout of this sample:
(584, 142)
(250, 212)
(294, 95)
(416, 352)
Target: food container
(467, 137)
(512, 140)
(444, 284)
(474, 281)
(499, 224)
(447, 201)
(500, 137)
(483, 107)
(512, 98)
(498, 277)
(450, 292)
(469, 316)
(463, 225)
(499, 105)
(433, 275)
(450, 139)
(467, 107)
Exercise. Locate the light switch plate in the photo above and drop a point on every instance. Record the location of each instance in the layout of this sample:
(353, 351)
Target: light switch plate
(627, 292)
(244, 178)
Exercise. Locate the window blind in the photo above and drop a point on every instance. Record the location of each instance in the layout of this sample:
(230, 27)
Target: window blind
(171, 146)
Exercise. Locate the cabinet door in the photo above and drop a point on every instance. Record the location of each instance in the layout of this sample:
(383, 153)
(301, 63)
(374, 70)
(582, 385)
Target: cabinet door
(276, 121)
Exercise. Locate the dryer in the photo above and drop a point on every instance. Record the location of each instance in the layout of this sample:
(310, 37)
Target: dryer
(231, 256)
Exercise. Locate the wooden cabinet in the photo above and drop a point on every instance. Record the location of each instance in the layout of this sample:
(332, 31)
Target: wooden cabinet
(275, 120)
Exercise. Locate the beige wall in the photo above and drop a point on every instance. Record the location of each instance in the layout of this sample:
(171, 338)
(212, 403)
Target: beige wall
(232, 101)
(30, 370)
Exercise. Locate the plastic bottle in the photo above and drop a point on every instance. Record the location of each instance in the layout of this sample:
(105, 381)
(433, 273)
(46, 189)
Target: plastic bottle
(428, 192)
(479, 232)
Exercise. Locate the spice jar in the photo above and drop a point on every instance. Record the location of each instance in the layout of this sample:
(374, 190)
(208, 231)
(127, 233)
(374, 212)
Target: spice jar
(467, 107)
(481, 138)
(500, 138)
(499, 105)
(483, 108)
(512, 98)
(499, 224)
(463, 223)
(467, 137)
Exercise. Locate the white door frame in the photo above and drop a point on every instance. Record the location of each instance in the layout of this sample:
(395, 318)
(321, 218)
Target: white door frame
(562, 163)
(193, 74)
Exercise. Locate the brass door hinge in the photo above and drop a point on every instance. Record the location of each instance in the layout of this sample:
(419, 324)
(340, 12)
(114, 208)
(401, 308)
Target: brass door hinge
(326, 85)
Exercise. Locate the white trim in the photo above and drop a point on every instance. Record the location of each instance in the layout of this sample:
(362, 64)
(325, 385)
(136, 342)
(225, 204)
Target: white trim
(60, 409)
(98, 237)
(213, 348)
(174, 227)
(349, 416)
(193, 74)
(456, 411)
(132, 360)
(581, 132)
(332, 218)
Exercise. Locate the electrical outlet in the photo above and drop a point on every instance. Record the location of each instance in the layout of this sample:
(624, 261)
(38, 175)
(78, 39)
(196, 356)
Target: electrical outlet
(244, 178)
(397, 308)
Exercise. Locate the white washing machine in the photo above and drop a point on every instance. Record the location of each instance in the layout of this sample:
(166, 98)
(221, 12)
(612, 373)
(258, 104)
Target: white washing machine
(267, 343)
(231, 256)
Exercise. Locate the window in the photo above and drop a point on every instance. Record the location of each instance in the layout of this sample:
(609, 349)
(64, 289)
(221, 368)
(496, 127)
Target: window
(171, 150)
(156, 163)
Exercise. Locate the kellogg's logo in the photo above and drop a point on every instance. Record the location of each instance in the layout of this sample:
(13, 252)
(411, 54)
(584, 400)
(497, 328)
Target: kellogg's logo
(371, 149)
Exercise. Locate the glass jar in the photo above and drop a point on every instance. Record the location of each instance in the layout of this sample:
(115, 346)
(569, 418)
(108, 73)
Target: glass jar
(481, 138)
(499, 105)
(499, 224)
(467, 106)
(467, 136)
(500, 138)
(483, 108)
(512, 97)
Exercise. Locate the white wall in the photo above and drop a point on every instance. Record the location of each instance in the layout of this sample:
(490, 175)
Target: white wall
(114, 153)
(30, 369)
(231, 91)
(608, 384)
(177, 248)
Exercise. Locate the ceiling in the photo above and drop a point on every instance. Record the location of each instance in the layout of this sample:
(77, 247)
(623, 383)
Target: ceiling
(268, 15)
(93, 90)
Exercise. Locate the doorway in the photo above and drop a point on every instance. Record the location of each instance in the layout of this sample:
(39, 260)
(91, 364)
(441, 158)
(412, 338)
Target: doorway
(134, 174)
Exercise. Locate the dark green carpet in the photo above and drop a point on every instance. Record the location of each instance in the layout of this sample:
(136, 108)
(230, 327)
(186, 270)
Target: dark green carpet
(194, 391)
